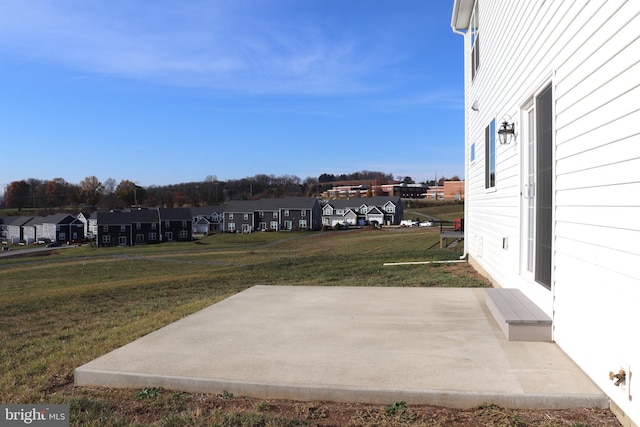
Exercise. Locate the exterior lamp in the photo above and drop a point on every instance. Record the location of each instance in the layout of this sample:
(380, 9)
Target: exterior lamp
(506, 133)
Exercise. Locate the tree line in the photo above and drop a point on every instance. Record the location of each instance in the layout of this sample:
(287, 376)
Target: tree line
(92, 194)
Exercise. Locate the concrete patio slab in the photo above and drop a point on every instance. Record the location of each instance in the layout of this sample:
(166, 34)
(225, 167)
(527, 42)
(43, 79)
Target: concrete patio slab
(437, 346)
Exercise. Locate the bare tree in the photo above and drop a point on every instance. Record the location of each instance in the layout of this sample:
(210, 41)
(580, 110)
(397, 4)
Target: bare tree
(108, 199)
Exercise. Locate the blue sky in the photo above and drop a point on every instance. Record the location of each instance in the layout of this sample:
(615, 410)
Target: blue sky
(172, 91)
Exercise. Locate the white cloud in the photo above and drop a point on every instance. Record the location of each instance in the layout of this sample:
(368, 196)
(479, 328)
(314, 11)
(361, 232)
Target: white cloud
(231, 45)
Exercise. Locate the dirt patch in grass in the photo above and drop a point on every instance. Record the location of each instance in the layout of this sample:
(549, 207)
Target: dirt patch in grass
(165, 407)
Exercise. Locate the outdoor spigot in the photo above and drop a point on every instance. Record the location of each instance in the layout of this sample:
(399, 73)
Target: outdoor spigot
(619, 377)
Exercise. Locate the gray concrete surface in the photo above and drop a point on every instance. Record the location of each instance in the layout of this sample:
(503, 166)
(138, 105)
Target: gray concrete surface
(437, 346)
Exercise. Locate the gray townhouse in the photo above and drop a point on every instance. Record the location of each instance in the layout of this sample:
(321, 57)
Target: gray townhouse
(60, 228)
(238, 216)
(176, 224)
(128, 227)
(290, 213)
(143, 226)
(11, 230)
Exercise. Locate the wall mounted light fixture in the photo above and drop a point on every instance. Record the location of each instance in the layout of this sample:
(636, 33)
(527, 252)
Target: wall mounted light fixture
(475, 106)
(506, 133)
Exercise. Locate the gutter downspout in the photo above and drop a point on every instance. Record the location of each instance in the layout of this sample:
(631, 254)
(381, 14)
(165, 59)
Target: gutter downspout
(462, 33)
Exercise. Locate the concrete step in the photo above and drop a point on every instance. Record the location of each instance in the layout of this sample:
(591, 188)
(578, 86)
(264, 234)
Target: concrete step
(518, 317)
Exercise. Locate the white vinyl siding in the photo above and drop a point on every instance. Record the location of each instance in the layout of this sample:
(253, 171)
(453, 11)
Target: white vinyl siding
(588, 52)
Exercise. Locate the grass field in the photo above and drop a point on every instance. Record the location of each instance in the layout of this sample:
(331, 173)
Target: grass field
(427, 209)
(62, 308)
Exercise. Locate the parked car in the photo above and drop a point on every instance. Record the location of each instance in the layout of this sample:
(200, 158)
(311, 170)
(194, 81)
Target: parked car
(426, 224)
(53, 245)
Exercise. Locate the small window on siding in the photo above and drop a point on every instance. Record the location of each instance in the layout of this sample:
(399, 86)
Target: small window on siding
(472, 153)
(490, 155)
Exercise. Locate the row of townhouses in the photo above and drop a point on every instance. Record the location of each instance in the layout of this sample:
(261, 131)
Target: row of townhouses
(154, 225)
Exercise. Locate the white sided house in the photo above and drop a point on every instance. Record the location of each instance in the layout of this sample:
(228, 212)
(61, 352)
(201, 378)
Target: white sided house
(552, 166)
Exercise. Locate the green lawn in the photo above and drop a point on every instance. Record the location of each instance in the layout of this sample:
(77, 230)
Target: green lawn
(443, 211)
(63, 308)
